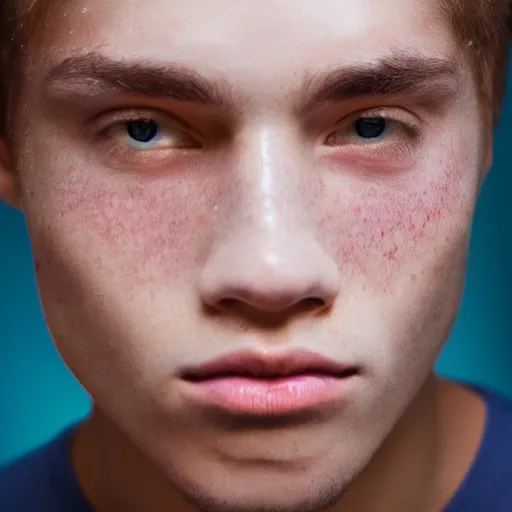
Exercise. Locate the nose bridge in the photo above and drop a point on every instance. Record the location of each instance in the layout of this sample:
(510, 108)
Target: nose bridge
(269, 258)
(270, 223)
(269, 178)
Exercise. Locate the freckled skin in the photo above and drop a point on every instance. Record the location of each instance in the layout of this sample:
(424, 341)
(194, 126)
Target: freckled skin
(135, 264)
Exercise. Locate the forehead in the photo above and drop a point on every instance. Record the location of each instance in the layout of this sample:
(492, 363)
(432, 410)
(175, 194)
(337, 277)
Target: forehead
(260, 41)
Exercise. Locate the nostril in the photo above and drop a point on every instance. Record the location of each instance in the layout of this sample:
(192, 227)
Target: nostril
(307, 304)
(241, 280)
(313, 303)
(227, 304)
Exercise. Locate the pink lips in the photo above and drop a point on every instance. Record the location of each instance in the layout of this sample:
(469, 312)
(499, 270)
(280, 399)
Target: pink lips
(249, 383)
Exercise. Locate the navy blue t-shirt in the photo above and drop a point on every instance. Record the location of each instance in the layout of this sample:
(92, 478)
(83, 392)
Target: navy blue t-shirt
(43, 481)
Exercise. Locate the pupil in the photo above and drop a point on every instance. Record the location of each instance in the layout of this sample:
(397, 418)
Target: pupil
(142, 131)
(370, 128)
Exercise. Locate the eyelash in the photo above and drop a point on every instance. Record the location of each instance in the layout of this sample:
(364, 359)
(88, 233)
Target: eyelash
(124, 154)
(395, 146)
(383, 148)
(395, 116)
(109, 119)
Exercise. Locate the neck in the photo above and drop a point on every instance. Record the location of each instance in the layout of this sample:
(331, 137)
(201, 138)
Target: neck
(114, 475)
(419, 466)
(402, 475)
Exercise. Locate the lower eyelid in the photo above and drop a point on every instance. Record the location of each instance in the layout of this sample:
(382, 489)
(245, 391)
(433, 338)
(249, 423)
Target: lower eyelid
(377, 154)
(117, 155)
(352, 138)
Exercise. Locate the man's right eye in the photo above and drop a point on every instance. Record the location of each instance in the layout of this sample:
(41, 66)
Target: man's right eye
(143, 138)
(150, 134)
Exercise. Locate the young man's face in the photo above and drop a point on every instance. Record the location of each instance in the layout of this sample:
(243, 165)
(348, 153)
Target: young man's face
(253, 195)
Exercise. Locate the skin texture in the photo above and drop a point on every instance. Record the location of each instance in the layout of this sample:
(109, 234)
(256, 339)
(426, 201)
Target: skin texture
(253, 227)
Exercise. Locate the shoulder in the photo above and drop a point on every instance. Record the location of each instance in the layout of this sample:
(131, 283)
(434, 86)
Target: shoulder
(488, 485)
(496, 448)
(495, 458)
(36, 481)
(26, 483)
(499, 420)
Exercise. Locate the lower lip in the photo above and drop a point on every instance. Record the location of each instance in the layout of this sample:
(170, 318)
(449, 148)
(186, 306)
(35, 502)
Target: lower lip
(275, 397)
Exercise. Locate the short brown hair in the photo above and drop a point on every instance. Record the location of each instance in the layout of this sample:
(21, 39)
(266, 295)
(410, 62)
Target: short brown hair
(482, 30)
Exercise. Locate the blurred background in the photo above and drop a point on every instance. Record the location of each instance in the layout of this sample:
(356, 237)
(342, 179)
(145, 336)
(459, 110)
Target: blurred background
(39, 397)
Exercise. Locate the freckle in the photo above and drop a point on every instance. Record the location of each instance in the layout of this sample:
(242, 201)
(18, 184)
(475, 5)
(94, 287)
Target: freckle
(37, 266)
(391, 254)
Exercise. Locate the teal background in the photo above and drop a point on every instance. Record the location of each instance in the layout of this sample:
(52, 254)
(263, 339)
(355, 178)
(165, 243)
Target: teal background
(38, 396)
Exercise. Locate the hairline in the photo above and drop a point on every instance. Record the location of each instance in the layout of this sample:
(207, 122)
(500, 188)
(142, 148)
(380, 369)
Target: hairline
(30, 29)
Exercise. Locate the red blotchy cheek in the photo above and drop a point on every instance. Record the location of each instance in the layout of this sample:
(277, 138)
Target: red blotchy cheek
(381, 227)
(145, 231)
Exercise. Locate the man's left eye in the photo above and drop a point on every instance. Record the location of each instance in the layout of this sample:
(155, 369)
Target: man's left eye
(369, 129)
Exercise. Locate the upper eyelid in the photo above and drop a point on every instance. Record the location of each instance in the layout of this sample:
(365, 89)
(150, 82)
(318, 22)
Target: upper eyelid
(409, 123)
(109, 119)
(109, 125)
(389, 113)
(134, 114)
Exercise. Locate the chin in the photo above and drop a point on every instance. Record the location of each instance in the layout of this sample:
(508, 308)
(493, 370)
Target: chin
(305, 493)
(213, 482)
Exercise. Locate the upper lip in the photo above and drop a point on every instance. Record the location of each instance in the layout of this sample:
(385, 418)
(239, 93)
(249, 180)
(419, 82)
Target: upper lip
(263, 365)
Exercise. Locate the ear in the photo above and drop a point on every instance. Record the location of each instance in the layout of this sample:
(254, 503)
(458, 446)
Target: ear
(10, 190)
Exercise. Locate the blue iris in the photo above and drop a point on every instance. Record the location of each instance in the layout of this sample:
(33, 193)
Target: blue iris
(371, 127)
(142, 131)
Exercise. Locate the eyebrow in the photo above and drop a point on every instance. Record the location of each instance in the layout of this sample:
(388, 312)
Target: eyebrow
(137, 78)
(426, 78)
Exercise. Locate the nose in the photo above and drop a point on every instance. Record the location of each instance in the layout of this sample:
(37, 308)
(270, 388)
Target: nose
(271, 276)
(269, 263)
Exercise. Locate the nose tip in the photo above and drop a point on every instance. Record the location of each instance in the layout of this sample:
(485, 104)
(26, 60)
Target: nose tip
(271, 297)
(284, 279)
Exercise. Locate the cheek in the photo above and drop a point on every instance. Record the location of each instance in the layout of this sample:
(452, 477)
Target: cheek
(381, 229)
(146, 232)
(106, 251)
